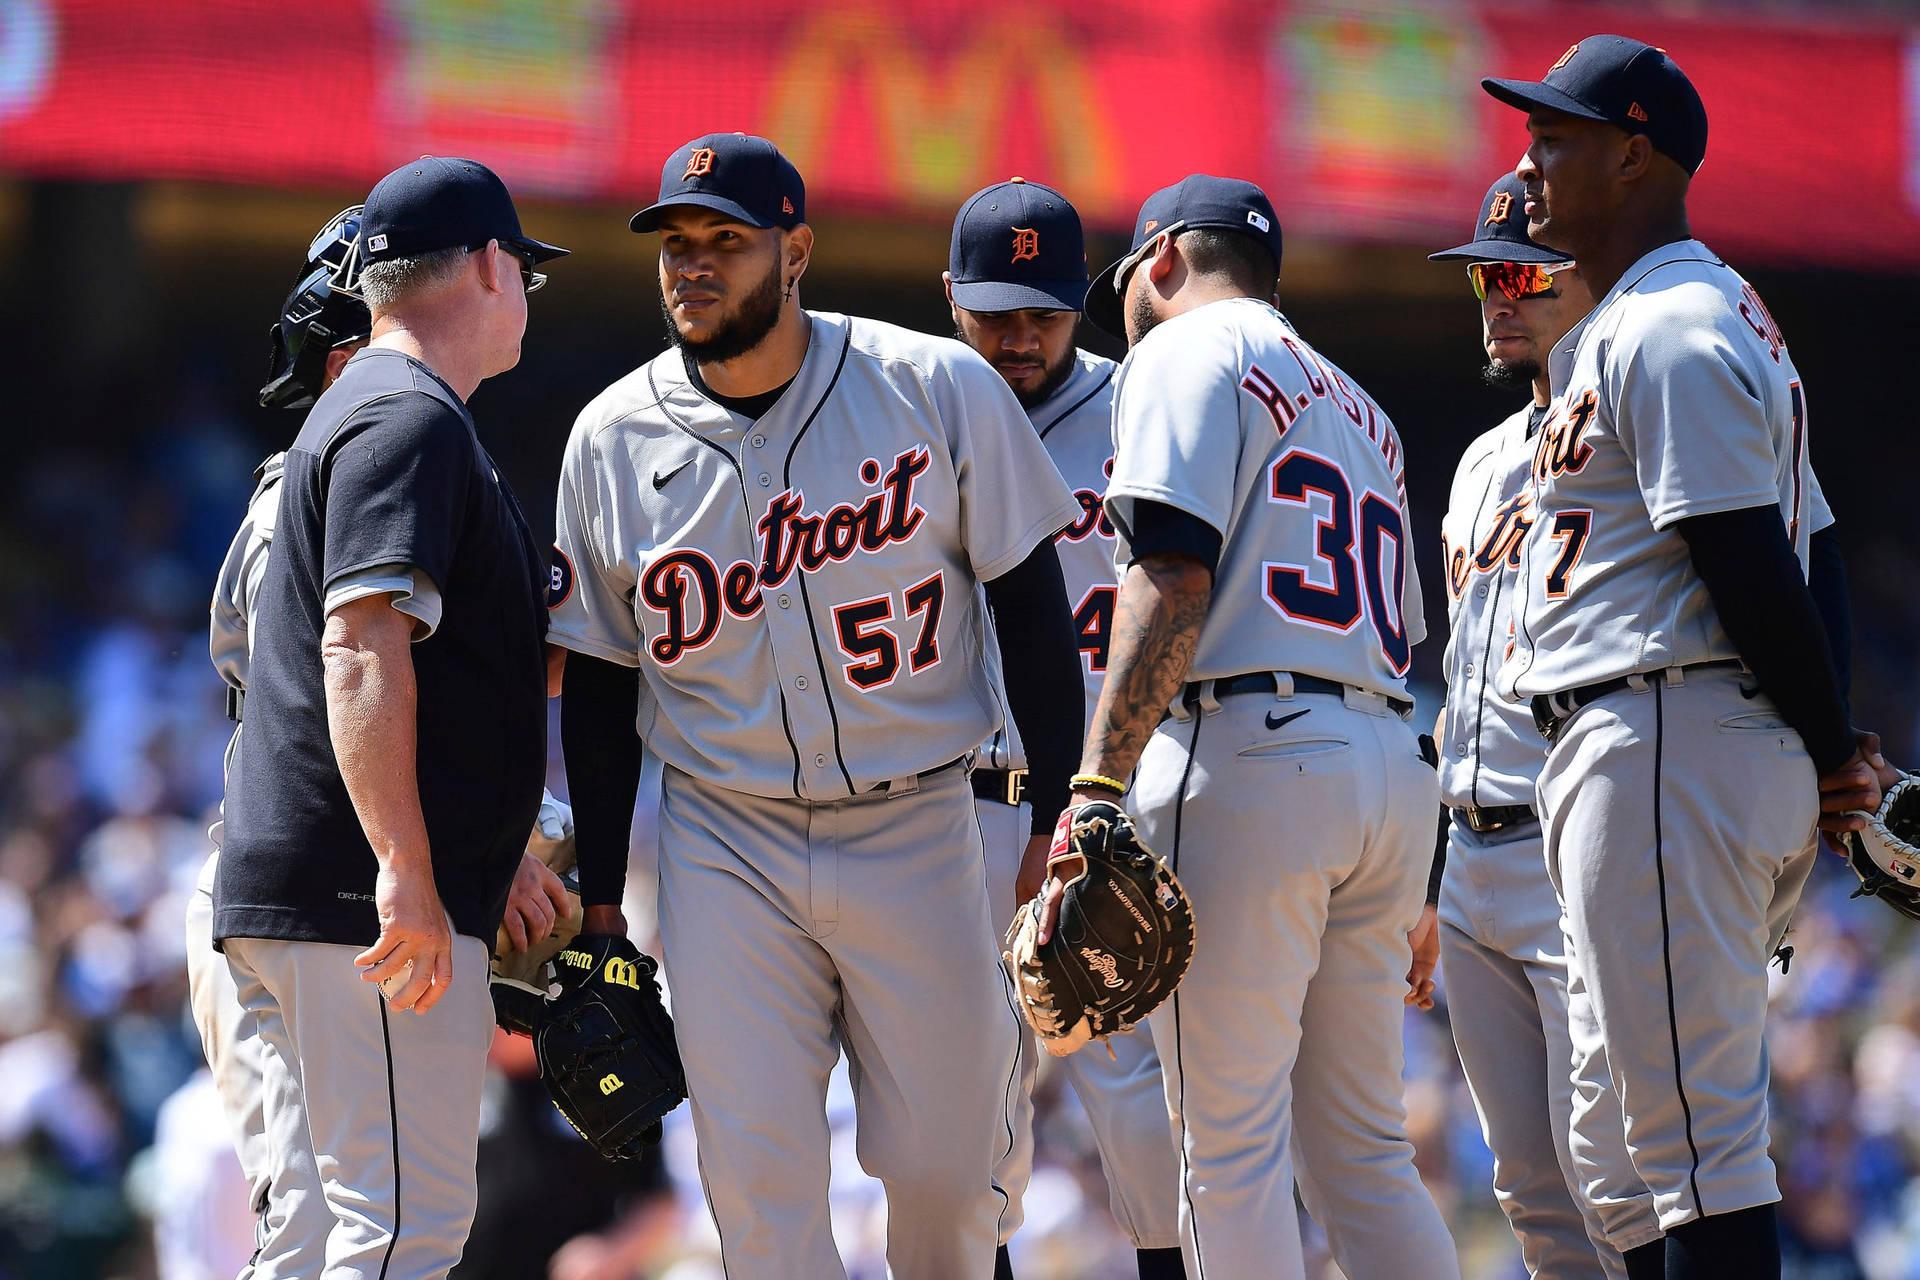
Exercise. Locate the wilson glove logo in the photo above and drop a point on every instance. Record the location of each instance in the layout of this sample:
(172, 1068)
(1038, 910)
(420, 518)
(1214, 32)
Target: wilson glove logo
(622, 973)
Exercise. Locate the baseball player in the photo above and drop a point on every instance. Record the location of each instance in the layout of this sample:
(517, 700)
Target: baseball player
(322, 323)
(1666, 640)
(1269, 604)
(395, 739)
(771, 540)
(1500, 937)
(1016, 282)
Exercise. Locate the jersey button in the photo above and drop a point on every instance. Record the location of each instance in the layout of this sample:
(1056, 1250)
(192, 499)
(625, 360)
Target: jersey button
(786, 601)
(1460, 749)
(766, 481)
(759, 442)
(819, 762)
(1469, 668)
(1482, 592)
(800, 683)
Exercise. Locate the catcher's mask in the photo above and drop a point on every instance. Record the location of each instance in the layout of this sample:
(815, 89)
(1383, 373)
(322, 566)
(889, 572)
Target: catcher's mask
(323, 313)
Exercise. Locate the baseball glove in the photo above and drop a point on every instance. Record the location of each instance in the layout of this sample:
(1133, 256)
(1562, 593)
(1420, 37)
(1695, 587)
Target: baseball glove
(1886, 856)
(1122, 942)
(604, 1043)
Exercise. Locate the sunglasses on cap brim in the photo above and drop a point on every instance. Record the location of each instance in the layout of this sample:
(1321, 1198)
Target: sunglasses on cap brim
(1515, 281)
(1134, 259)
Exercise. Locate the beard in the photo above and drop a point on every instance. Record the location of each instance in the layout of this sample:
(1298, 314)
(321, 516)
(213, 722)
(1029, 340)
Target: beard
(1051, 377)
(739, 333)
(1140, 317)
(1514, 375)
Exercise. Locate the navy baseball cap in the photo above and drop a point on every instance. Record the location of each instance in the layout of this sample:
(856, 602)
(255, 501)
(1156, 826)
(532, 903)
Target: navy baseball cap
(442, 202)
(1500, 232)
(1197, 200)
(740, 175)
(1625, 83)
(1018, 246)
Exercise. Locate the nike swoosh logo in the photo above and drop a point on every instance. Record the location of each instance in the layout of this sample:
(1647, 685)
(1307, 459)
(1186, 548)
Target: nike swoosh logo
(1275, 724)
(660, 478)
(1750, 694)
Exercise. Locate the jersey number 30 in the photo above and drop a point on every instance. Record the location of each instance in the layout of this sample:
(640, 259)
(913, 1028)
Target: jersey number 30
(1357, 545)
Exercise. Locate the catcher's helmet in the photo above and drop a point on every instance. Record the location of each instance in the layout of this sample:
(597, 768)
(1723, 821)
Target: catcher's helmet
(324, 312)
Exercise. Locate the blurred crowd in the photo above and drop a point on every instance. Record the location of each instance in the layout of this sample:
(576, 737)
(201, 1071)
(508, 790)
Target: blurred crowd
(113, 1155)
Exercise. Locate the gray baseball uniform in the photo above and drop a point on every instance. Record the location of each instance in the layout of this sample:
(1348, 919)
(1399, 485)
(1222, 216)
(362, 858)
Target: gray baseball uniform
(1121, 1091)
(800, 594)
(1501, 945)
(1678, 811)
(1288, 793)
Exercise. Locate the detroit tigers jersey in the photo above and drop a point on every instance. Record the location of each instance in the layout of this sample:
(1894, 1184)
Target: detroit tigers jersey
(1227, 414)
(1676, 398)
(800, 592)
(1490, 751)
(1075, 424)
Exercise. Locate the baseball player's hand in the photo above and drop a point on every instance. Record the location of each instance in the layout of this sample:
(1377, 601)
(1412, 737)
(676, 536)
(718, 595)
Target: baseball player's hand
(413, 958)
(1885, 774)
(1033, 870)
(537, 899)
(1849, 793)
(1425, 942)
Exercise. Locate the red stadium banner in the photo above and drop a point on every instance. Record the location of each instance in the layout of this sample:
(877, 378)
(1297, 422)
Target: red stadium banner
(1362, 123)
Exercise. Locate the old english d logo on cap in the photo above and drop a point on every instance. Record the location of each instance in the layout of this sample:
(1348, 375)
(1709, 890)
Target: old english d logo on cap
(1501, 207)
(701, 161)
(1026, 244)
(1565, 58)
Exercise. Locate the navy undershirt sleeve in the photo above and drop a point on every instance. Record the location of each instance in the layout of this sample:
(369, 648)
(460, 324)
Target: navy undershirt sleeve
(1754, 578)
(1827, 580)
(1159, 529)
(1040, 660)
(598, 700)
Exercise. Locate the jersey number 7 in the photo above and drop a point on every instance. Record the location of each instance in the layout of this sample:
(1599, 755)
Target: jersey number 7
(1329, 594)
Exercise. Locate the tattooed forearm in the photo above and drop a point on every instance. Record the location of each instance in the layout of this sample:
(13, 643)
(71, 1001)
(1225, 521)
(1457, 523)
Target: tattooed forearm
(1156, 628)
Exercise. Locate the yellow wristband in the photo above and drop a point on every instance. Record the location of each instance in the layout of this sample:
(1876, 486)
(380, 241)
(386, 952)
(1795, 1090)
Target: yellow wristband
(1099, 780)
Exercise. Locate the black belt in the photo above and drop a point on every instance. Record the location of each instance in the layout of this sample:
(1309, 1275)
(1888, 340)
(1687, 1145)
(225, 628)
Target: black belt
(924, 773)
(1008, 786)
(236, 703)
(1495, 817)
(1551, 710)
(1267, 682)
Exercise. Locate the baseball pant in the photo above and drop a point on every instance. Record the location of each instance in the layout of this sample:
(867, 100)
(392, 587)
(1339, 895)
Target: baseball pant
(381, 1107)
(1679, 815)
(232, 1046)
(1305, 850)
(791, 930)
(1503, 956)
(1121, 1091)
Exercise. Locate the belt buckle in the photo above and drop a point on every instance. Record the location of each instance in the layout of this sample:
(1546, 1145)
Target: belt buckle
(1544, 717)
(1016, 786)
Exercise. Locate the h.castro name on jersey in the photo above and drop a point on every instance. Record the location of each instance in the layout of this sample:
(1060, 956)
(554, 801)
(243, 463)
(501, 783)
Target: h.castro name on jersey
(693, 595)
